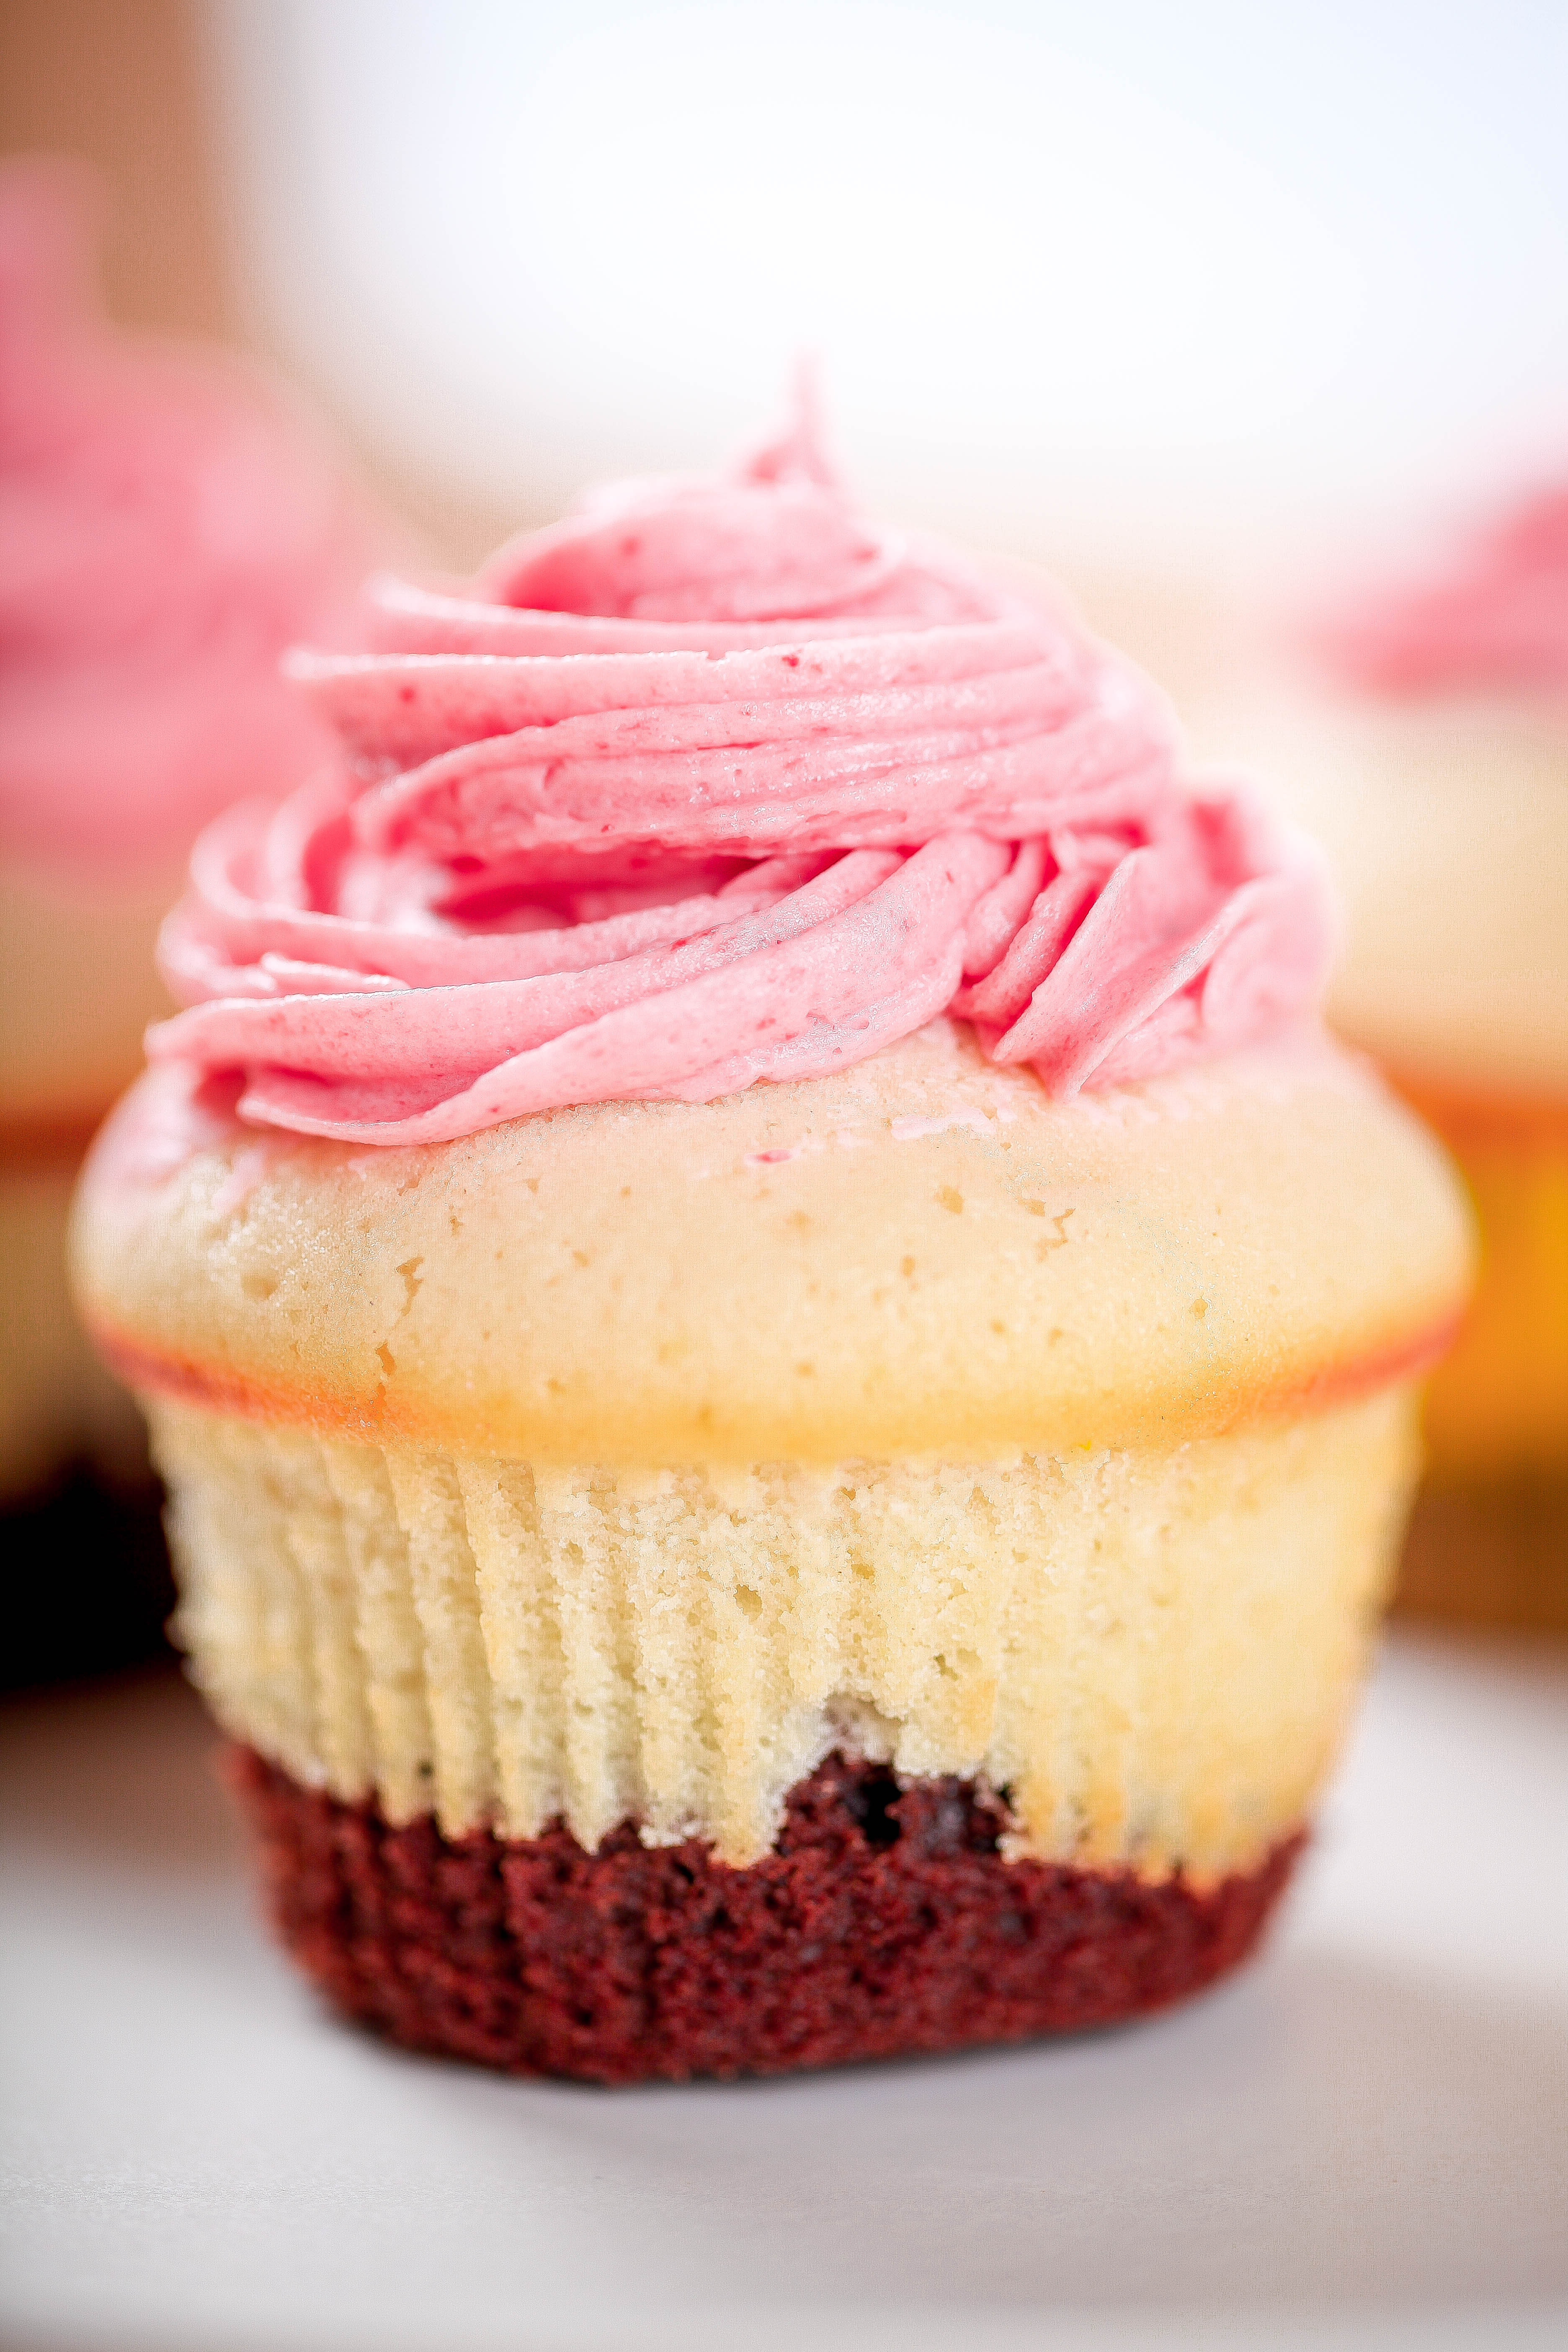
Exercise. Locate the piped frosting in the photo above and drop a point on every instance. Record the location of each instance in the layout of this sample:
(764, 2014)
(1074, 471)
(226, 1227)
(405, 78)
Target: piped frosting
(711, 782)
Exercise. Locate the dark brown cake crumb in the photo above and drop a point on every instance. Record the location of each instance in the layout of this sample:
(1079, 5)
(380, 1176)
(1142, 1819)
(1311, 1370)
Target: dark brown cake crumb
(884, 1921)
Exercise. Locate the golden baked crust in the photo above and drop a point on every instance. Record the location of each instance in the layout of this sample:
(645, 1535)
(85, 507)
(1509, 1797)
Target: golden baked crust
(922, 1255)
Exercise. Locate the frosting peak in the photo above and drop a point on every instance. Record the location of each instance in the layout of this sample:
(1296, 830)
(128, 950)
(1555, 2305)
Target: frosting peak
(775, 540)
(714, 781)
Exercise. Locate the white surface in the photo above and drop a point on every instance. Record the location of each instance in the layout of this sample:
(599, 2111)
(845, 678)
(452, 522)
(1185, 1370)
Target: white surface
(1362, 2142)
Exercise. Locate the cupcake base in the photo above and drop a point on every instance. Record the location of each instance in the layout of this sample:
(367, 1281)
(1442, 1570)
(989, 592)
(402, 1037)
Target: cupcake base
(883, 1922)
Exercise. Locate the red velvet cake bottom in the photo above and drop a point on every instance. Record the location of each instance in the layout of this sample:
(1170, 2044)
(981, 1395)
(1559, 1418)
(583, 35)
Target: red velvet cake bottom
(884, 1920)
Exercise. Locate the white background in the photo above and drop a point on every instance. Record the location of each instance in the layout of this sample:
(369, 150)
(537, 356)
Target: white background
(1143, 282)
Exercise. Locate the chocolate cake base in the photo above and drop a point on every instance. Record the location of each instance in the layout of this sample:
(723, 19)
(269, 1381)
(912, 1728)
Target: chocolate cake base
(884, 1921)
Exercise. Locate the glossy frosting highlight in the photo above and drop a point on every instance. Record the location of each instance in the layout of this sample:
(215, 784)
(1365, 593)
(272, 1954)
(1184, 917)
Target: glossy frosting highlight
(711, 782)
(167, 529)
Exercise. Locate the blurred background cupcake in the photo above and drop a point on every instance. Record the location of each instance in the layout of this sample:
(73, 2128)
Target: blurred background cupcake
(169, 523)
(1420, 725)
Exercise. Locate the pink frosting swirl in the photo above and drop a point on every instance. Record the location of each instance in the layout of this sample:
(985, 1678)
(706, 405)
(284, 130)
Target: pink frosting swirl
(714, 782)
(1493, 615)
(167, 529)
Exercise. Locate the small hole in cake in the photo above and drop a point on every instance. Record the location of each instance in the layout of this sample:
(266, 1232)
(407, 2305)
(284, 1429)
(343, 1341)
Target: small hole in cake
(871, 1801)
(749, 1604)
(259, 1285)
(950, 1198)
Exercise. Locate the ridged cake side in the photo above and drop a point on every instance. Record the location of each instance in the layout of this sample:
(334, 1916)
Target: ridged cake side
(1152, 1651)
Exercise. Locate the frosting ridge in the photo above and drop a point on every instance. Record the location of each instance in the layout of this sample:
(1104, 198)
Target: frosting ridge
(711, 783)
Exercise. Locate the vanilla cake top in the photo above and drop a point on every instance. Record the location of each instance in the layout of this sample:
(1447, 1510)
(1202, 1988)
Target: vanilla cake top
(924, 1253)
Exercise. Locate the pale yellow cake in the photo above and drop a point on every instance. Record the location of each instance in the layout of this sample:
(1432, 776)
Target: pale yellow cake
(621, 1462)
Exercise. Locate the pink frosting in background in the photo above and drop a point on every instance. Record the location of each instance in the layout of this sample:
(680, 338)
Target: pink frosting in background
(167, 529)
(711, 782)
(1492, 616)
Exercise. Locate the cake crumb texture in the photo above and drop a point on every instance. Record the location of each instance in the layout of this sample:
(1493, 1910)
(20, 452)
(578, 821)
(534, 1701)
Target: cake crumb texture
(782, 1274)
(884, 1922)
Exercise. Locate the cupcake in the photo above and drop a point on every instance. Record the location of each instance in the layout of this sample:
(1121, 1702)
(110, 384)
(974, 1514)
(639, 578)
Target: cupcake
(785, 1363)
(165, 529)
(1423, 731)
